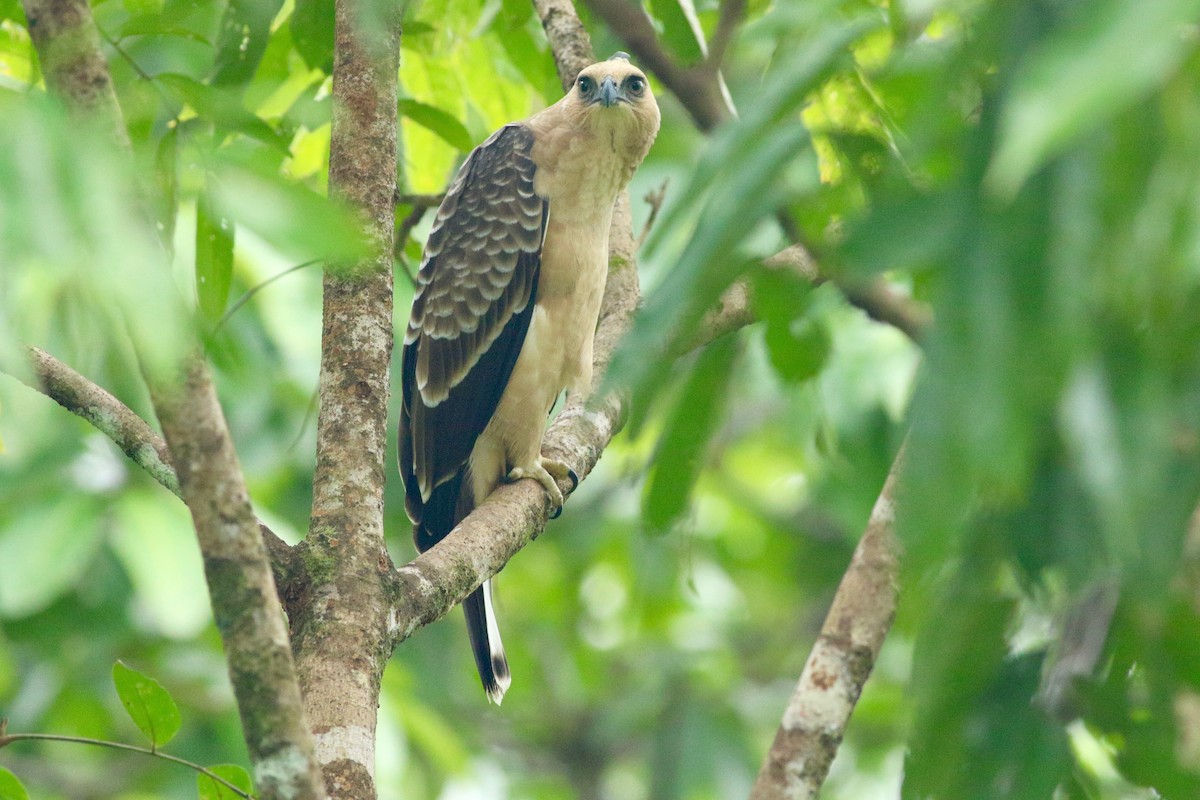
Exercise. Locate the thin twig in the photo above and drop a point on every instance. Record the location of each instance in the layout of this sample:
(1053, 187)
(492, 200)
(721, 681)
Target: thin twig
(9, 738)
(253, 290)
(420, 200)
(730, 17)
(655, 198)
(124, 55)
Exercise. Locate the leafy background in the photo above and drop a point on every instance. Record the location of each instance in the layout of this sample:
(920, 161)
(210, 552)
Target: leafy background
(1029, 169)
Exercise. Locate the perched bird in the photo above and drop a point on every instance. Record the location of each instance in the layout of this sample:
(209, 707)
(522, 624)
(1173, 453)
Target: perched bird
(506, 306)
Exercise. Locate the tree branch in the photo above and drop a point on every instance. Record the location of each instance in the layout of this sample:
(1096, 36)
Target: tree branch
(108, 415)
(136, 439)
(248, 616)
(730, 17)
(340, 625)
(840, 662)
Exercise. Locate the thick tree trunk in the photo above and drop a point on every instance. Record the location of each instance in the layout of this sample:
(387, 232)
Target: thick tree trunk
(339, 623)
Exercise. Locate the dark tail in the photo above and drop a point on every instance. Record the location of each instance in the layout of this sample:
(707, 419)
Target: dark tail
(447, 506)
(486, 644)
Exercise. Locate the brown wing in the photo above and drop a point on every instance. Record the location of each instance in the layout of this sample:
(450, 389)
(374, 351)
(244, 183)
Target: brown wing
(474, 299)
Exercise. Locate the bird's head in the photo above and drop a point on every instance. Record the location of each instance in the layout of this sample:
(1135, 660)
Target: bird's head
(615, 94)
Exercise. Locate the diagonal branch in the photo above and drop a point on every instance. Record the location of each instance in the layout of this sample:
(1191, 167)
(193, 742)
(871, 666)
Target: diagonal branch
(109, 415)
(248, 616)
(840, 662)
(136, 439)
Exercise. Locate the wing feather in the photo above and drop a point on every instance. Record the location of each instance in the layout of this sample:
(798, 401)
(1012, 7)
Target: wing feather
(475, 295)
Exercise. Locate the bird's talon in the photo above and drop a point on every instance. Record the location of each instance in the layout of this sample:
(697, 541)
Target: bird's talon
(539, 474)
(574, 476)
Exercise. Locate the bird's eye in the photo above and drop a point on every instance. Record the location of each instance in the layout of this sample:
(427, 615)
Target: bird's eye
(635, 85)
(586, 84)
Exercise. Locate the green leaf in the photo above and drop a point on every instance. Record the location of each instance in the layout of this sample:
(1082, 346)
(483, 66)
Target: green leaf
(166, 184)
(697, 414)
(798, 345)
(977, 733)
(710, 261)
(417, 28)
(798, 349)
(222, 108)
(440, 122)
(214, 258)
(909, 234)
(209, 789)
(308, 110)
(10, 787)
(1116, 52)
(245, 30)
(312, 33)
(150, 706)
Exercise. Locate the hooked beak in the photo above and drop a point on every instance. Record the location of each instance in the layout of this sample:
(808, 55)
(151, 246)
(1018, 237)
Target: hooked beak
(609, 93)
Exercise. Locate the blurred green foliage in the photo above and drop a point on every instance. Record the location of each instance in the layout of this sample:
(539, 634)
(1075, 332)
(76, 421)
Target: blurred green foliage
(1027, 168)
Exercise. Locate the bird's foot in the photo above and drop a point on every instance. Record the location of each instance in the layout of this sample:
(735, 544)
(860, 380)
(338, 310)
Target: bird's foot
(548, 472)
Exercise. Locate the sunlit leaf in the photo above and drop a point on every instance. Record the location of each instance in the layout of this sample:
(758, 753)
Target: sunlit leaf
(150, 706)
